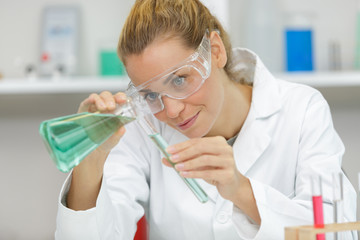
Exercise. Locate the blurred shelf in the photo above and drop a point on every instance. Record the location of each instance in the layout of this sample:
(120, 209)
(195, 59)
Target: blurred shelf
(323, 79)
(13, 86)
(115, 84)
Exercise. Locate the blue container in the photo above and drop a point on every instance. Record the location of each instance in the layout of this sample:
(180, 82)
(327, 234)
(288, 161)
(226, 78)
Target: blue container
(299, 53)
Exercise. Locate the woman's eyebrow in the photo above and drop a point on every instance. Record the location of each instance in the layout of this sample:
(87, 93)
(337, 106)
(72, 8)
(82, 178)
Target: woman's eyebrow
(169, 77)
(145, 90)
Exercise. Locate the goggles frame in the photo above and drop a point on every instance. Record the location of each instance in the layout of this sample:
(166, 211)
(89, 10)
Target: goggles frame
(200, 61)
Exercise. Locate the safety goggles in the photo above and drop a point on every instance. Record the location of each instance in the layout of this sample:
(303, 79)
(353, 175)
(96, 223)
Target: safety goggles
(180, 81)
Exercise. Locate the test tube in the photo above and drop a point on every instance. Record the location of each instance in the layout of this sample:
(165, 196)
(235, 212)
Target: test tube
(359, 181)
(359, 188)
(317, 205)
(162, 145)
(359, 192)
(338, 201)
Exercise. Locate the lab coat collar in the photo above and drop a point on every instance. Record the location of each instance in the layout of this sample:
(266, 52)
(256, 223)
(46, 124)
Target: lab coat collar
(265, 97)
(252, 142)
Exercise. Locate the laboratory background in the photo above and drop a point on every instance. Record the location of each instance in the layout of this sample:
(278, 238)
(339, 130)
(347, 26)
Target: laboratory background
(54, 53)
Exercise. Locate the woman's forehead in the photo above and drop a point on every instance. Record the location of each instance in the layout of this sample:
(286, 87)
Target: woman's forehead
(156, 58)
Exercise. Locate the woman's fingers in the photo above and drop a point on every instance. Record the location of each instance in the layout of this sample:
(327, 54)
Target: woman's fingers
(120, 97)
(201, 162)
(87, 104)
(207, 144)
(210, 159)
(107, 100)
(208, 175)
(103, 102)
(202, 154)
(99, 103)
(92, 104)
(194, 148)
(166, 162)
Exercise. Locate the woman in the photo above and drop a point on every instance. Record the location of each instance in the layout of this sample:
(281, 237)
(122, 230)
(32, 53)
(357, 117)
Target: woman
(252, 141)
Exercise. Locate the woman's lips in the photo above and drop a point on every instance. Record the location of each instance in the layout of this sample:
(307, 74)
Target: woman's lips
(188, 123)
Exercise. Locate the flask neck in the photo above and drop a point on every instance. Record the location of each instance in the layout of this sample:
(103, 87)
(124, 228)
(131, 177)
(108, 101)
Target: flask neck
(127, 109)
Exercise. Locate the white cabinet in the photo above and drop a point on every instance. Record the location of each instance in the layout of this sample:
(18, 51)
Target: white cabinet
(65, 85)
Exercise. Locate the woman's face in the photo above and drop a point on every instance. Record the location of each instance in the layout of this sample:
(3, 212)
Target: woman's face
(195, 115)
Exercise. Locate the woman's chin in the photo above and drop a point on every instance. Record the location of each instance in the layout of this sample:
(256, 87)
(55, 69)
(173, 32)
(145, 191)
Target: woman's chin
(196, 133)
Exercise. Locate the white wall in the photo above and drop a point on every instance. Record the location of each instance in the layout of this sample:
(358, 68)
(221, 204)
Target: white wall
(29, 181)
(332, 20)
(20, 31)
(20, 23)
(345, 107)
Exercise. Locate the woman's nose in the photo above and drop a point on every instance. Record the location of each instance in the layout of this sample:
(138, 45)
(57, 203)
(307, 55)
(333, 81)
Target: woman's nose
(172, 106)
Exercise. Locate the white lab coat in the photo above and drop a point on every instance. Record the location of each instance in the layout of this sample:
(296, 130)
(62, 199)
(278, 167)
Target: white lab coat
(287, 137)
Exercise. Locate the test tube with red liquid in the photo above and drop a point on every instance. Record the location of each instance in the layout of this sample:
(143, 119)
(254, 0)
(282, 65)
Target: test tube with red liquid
(317, 205)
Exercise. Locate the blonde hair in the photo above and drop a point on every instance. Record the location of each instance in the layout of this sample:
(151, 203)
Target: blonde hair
(185, 19)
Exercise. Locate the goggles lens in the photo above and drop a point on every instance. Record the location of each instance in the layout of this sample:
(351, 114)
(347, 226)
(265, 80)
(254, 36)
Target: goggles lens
(180, 81)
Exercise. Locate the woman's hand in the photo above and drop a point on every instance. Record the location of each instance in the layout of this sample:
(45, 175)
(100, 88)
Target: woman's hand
(211, 159)
(104, 102)
(87, 176)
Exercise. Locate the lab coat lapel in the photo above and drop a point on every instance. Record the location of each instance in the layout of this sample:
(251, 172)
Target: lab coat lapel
(249, 145)
(254, 137)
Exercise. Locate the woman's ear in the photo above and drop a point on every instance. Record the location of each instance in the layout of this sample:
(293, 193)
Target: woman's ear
(218, 51)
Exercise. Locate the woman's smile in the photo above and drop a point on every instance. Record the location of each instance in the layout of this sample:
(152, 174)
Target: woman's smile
(188, 122)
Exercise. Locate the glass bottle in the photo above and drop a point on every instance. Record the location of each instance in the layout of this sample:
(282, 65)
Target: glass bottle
(299, 39)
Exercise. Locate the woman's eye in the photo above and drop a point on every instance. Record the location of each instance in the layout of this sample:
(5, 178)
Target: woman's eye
(151, 96)
(179, 81)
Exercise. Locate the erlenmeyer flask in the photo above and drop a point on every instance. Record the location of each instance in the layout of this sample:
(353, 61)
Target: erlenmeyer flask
(70, 139)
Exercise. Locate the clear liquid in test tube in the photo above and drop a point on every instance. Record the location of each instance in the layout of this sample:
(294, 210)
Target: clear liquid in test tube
(338, 198)
(358, 194)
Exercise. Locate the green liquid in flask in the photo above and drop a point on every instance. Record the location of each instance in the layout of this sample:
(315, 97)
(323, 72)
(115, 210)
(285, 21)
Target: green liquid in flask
(71, 138)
